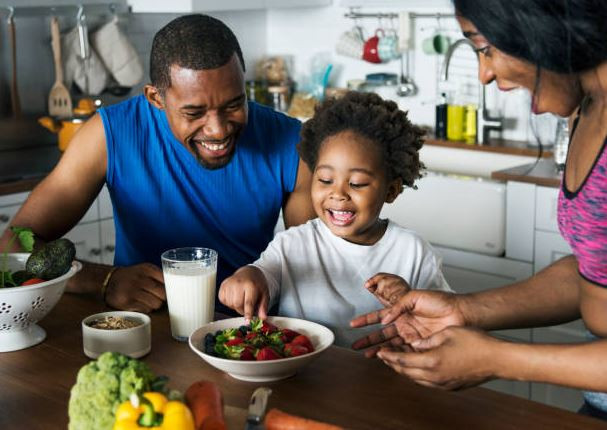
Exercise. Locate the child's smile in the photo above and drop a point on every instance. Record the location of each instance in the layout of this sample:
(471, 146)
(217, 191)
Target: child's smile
(350, 186)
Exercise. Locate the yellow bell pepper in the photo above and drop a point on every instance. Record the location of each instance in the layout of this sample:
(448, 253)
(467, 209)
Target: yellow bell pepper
(153, 411)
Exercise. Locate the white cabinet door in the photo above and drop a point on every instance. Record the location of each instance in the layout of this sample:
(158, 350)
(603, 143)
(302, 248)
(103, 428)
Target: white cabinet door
(468, 272)
(562, 397)
(108, 242)
(549, 247)
(546, 201)
(105, 204)
(516, 388)
(9, 206)
(86, 239)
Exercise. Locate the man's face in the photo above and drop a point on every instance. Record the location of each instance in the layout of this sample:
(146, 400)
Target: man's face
(207, 111)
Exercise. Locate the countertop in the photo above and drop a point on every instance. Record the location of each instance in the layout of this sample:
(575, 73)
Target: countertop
(542, 173)
(340, 387)
(501, 146)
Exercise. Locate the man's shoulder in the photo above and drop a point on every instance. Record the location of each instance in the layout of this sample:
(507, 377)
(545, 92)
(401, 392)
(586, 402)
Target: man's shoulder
(132, 106)
(265, 117)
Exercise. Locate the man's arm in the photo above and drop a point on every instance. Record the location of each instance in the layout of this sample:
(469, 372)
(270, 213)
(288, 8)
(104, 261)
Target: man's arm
(297, 208)
(62, 198)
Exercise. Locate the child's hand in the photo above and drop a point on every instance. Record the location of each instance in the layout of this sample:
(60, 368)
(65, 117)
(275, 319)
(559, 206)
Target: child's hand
(387, 288)
(246, 292)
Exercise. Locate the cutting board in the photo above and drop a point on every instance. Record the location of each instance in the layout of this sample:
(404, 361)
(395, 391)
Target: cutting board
(236, 418)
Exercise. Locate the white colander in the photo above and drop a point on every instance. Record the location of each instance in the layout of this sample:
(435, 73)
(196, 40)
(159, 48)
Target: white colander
(22, 307)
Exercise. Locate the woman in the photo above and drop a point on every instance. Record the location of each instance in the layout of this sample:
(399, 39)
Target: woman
(557, 49)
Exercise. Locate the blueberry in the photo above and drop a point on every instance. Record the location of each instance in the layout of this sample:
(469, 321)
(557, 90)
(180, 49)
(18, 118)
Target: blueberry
(243, 329)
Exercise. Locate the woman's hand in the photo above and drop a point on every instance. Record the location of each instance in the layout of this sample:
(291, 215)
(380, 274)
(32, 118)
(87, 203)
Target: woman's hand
(417, 315)
(456, 357)
(246, 291)
(387, 288)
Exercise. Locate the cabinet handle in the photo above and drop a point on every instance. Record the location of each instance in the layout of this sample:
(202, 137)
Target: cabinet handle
(109, 248)
(95, 251)
(4, 218)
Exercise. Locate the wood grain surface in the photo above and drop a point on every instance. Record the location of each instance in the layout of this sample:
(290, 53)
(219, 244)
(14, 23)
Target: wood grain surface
(340, 387)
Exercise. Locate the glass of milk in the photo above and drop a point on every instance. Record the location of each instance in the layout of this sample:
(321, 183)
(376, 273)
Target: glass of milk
(189, 281)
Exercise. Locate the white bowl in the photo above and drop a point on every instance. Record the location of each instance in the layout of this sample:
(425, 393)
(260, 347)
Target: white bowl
(22, 307)
(264, 371)
(134, 342)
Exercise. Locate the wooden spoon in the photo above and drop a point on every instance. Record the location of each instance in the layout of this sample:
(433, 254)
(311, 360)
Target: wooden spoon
(59, 100)
(15, 102)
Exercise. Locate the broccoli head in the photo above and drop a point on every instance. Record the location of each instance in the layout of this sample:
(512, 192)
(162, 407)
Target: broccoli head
(101, 386)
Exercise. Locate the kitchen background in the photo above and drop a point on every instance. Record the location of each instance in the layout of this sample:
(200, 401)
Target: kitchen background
(303, 35)
(490, 230)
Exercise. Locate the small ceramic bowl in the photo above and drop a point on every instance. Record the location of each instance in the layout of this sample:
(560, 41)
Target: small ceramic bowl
(134, 342)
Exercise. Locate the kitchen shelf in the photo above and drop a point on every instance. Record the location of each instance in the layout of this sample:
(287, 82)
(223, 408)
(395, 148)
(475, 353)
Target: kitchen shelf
(187, 6)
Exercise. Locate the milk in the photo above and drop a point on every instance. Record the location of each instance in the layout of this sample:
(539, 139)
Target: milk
(191, 299)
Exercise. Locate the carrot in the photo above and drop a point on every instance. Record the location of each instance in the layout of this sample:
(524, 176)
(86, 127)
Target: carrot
(279, 420)
(206, 404)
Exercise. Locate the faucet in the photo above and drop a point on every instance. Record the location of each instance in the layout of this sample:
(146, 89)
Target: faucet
(484, 122)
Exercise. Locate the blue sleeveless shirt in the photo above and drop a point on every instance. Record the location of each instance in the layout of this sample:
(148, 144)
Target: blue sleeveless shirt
(163, 198)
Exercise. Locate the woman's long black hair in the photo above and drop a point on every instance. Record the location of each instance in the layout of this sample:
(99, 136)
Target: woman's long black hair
(564, 36)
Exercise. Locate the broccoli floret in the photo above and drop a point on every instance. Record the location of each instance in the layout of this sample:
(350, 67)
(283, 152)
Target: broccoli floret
(101, 386)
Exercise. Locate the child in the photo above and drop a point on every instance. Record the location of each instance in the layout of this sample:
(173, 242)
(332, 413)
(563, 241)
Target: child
(361, 151)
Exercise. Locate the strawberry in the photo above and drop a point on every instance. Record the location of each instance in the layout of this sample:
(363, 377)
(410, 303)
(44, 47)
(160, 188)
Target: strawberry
(32, 281)
(289, 334)
(268, 327)
(292, 350)
(235, 341)
(267, 353)
(251, 335)
(303, 341)
(247, 354)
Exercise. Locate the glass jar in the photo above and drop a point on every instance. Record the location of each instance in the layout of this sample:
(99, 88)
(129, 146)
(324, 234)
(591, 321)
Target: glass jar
(561, 143)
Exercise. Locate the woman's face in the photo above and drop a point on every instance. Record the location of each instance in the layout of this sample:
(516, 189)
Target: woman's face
(556, 93)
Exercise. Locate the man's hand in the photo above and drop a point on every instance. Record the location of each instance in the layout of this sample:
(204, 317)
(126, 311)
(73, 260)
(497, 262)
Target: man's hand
(417, 315)
(246, 291)
(136, 288)
(387, 288)
(454, 358)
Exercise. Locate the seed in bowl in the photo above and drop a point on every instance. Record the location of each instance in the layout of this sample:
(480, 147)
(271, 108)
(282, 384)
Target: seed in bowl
(114, 323)
(260, 340)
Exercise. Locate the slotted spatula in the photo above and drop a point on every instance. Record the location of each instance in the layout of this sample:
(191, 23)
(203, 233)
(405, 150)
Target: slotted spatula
(59, 100)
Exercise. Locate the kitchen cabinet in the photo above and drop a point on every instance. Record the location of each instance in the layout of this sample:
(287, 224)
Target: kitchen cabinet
(9, 205)
(186, 6)
(86, 239)
(108, 242)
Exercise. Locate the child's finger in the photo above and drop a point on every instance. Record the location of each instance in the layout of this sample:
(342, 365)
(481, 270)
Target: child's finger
(250, 300)
(263, 307)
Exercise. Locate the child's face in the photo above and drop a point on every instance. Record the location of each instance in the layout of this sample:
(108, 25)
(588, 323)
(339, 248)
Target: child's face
(350, 186)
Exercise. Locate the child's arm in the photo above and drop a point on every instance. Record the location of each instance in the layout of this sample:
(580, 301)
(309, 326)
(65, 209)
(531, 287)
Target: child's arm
(246, 291)
(387, 288)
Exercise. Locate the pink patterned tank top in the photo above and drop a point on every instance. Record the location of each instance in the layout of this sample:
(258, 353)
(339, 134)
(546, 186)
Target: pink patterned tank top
(582, 219)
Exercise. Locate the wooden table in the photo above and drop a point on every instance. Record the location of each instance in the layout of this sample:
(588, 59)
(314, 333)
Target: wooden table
(340, 387)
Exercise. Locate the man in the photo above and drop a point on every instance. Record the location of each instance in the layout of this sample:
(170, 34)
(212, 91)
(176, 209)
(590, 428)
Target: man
(189, 163)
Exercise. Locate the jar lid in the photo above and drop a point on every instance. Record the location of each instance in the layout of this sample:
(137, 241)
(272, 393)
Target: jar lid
(278, 89)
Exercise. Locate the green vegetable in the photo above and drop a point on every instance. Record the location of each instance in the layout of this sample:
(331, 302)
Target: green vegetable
(26, 240)
(100, 388)
(51, 260)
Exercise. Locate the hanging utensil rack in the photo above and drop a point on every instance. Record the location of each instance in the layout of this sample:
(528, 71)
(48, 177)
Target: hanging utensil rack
(354, 14)
(64, 10)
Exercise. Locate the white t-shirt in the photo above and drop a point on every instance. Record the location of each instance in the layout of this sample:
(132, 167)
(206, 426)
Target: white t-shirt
(317, 276)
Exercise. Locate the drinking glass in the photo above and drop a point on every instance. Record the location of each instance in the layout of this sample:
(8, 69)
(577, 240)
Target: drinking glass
(190, 282)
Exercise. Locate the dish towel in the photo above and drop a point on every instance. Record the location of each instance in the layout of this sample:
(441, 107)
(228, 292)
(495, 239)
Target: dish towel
(118, 54)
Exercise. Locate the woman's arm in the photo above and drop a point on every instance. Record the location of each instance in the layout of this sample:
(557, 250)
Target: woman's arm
(547, 298)
(460, 357)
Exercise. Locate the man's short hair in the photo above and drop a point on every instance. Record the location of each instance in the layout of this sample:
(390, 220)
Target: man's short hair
(197, 42)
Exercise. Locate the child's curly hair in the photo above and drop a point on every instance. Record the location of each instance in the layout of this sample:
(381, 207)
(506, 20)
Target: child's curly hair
(374, 118)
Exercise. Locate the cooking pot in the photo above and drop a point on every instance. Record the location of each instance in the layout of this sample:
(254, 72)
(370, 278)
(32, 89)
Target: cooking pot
(67, 127)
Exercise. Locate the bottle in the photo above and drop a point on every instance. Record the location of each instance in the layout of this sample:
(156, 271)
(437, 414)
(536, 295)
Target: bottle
(561, 143)
(470, 124)
(441, 117)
